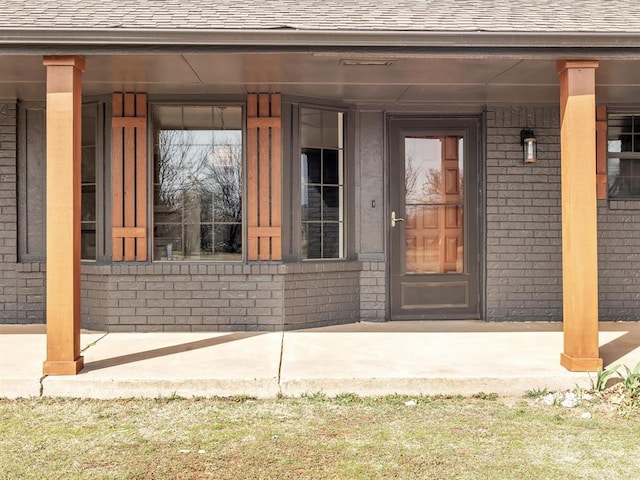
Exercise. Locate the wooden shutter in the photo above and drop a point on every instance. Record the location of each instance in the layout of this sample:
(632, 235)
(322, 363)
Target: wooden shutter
(264, 159)
(601, 153)
(129, 177)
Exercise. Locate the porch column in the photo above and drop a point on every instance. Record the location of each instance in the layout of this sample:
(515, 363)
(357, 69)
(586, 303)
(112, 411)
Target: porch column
(579, 220)
(64, 117)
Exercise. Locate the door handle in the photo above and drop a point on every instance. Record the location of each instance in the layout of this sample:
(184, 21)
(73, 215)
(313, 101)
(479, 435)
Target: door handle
(395, 219)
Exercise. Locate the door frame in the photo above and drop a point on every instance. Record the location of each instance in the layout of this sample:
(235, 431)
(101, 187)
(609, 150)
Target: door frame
(434, 122)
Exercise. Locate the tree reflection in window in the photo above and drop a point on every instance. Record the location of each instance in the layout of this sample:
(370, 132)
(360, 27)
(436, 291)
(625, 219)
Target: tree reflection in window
(198, 183)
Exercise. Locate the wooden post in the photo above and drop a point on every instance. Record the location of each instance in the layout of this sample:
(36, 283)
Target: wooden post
(64, 119)
(579, 216)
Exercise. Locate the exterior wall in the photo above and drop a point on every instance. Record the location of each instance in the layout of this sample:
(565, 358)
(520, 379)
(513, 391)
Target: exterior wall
(373, 291)
(318, 294)
(619, 259)
(182, 297)
(370, 214)
(8, 213)
(202, 297)
(523, 252)
(30, 289)
(523, 225)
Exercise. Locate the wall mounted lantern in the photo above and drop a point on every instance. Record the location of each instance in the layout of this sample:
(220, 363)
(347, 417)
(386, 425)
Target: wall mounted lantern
(529, 146)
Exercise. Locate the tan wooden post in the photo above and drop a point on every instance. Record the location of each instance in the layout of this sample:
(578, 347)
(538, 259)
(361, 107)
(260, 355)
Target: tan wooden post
(64, 118)
(579, 215)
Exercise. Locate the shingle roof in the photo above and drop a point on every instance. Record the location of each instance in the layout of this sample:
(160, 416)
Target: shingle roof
(553, 16)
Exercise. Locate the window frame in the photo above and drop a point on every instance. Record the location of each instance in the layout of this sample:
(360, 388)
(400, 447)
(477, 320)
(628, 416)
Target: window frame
(634, 115)
(292, 180)
(102, 107)
(155, 101)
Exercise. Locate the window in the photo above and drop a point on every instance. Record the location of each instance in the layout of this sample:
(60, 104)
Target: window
(623, 156)
(322, 183)
(88, 219)
(31, 182)
(197, 176)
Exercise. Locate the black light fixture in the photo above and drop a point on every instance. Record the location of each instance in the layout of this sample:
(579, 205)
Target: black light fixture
(529, 146)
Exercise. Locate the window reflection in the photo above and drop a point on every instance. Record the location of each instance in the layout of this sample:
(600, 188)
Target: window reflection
(198, 183)
(434, 205)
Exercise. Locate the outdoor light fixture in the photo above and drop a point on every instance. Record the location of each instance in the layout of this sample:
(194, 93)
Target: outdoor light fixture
(529, 146)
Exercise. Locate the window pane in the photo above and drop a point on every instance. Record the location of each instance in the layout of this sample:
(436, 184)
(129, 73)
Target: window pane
(88, 242)
(322, 177)
(312, 208)
(88, 169)
(311, 165)
(88, 204)
(331, 203)
(227, 242)
(331, 240)
(198, 181)
(312, 240)
(330, 133)
(330, 167)
(167, 242)
(310, 127)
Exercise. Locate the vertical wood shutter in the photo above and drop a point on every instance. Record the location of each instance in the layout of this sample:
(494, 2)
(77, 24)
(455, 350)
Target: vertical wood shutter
(264, 158)
(129, 177)
(601, 153)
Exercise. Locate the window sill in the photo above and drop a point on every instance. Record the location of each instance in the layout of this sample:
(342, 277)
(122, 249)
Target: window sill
(624, 204)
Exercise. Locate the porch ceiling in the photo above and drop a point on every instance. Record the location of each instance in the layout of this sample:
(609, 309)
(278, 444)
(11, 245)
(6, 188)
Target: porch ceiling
(410, 79)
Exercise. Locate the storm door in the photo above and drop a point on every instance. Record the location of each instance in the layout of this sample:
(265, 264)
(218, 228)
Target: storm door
(433, 218)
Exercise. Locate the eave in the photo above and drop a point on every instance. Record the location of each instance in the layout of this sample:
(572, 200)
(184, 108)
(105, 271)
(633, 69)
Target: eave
(530, 44)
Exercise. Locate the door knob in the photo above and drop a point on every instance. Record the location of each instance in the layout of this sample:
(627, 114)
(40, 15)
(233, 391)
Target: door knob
(395, 219)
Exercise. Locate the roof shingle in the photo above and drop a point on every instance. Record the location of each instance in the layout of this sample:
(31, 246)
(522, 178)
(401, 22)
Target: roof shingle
(552, 16)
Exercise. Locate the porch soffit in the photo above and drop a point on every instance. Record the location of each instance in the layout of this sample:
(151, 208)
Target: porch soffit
(408, 79)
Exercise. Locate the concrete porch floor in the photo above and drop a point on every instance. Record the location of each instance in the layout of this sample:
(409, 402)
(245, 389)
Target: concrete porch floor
(420, 357)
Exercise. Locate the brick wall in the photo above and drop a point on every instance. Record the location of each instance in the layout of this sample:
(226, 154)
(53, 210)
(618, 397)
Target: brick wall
(318, 294)
(30, 290)
(373, 294)
(8, 215)
(524, 252)
(619, 260)
(175, 297)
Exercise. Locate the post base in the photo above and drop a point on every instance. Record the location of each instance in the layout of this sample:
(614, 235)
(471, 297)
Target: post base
(63, 368)
(576, 364)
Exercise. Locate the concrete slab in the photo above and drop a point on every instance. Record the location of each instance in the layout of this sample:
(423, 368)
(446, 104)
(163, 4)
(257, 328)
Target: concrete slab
(365, 358)
(22, 353)
(21, 357)
(440, 358)
(185, 364)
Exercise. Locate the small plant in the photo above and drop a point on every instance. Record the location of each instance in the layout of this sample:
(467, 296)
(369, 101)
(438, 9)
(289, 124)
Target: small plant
(314, 396)
(631, 380)
(485, 396)
(347, 398)
(602, 377)
(536, 393)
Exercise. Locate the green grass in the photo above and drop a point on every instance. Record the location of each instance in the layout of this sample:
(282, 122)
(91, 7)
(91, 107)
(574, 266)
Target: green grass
(314, 437)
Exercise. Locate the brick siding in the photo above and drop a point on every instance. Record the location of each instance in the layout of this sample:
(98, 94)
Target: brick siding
(8, 214)
(318, 294)
(373, 293)
(619, 259)
(524, 250)
(175, 297)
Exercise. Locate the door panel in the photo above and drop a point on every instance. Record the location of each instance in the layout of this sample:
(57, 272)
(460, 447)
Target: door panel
(434, 202)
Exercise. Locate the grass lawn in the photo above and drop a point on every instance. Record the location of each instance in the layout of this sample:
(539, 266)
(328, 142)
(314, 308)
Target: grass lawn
(314, 437)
